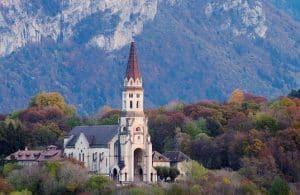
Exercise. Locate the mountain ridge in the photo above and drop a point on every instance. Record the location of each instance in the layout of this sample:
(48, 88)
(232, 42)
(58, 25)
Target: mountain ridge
(185, 54)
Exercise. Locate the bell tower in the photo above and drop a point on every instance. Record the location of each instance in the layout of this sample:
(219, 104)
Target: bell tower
(133, 93)
(135, 156)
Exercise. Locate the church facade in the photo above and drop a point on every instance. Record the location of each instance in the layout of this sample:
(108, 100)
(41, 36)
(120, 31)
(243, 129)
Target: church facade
(123, 151)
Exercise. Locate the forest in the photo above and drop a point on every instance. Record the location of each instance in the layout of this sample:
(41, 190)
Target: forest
(246, 145)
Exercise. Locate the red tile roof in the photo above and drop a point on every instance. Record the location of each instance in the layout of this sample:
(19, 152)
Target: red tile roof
(36, 155)
(132, 70)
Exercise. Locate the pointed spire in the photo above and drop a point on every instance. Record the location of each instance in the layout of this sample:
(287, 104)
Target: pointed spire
(132, 70)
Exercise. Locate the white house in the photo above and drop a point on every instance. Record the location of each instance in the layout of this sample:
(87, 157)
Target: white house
(122, 151)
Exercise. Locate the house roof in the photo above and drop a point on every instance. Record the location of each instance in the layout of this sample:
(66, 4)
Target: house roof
(132, 70)
(24, 155)
(36, 155)
(176, 156)
(158, 157)
(98, 135)
(51, 155)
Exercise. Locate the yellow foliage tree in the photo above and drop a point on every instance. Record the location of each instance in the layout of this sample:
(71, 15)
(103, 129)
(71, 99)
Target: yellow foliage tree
(52, 99)
(283, 102)
(237, 97)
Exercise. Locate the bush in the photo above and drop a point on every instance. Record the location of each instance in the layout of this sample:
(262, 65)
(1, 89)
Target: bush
(136, 191)
(176, 190)
(52, 168)
(167, 172)
(197, 171)
(195, 190)
(4, 186)
(279, 187)
(26, 178)
(8, 168)
(99, 184)
(72, 177)
(173, 173)
(247, 187)
(23, 192)
(157, 190)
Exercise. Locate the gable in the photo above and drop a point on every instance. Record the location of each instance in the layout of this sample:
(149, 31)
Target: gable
(82, 141)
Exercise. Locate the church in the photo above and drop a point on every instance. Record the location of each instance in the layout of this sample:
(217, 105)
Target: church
(123, 151)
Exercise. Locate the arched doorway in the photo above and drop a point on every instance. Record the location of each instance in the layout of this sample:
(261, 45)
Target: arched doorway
(115, 174)
(138, 164)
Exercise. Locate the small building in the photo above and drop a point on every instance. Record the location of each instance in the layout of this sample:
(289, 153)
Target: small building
(34, 157)
(159, 160)
(180, 161)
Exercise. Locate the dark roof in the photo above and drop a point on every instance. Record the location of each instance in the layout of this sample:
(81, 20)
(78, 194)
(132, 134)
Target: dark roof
(132, 70)
(158, 157)
(98, 135)
(176, 156)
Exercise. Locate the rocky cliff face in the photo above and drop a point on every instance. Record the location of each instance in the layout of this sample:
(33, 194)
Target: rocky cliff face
(188, 50)
(23, 22)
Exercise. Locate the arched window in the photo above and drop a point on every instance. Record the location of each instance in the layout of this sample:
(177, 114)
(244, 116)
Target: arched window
(130, 104)
(137, 104)
(138, 129)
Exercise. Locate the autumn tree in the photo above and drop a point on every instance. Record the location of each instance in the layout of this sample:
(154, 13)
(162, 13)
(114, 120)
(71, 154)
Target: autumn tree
(266, 121)
(52, 99)
(259, 170)
(240, 122)
(237, 97)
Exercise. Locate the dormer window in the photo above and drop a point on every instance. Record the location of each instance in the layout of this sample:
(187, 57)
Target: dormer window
(131, 95)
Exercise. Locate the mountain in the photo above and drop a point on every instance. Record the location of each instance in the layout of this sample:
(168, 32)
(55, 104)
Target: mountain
(188, 50)
(292, 7)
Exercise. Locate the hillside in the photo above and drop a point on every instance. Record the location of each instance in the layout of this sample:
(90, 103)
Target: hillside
(244, 146)
(188, 50)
